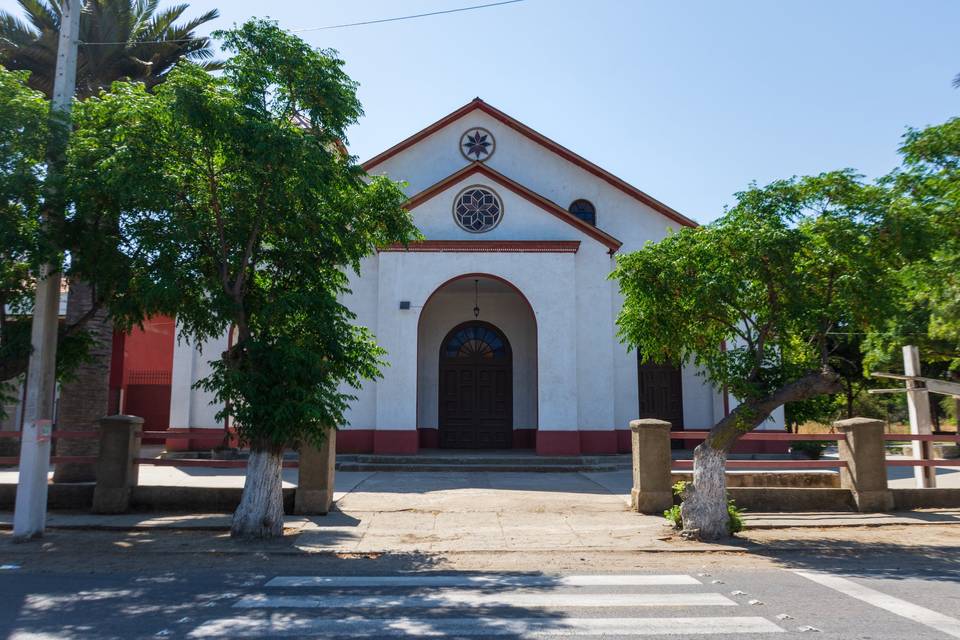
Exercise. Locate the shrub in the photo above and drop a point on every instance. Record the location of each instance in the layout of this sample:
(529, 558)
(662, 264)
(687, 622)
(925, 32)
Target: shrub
(734, 523)
(813, 449)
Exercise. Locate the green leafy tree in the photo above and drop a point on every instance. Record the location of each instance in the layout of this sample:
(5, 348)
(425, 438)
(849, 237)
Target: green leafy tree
(119, 39)
(243, 211)
(25, 136)
(753, 299)
(926, 208)
(24, 120)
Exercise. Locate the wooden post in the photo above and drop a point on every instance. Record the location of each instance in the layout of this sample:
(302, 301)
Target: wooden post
(315, 477)
(918, 405)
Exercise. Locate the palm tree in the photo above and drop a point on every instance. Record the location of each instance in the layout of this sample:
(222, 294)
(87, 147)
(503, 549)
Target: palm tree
(119, 40)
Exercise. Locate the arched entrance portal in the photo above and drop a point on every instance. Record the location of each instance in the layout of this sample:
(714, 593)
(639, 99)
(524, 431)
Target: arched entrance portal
(476, 388)
(477, 300)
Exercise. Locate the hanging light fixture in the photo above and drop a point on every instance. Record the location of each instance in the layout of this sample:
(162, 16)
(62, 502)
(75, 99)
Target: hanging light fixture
(476, 298)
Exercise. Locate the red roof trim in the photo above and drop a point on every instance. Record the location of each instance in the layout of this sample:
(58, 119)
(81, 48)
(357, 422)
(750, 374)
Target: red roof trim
(489, 246)
(541, 139)
(550, 207)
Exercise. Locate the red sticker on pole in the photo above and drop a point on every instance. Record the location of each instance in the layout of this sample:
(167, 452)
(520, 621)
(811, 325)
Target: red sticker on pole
(44, 430)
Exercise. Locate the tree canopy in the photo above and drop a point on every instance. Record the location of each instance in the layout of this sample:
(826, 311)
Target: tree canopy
(759, 300)
(925, 205)
(755, 298)
(24, 129)
(240, 209)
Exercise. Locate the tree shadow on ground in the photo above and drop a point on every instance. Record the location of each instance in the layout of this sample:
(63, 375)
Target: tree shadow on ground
(836, 552)
(108, 584)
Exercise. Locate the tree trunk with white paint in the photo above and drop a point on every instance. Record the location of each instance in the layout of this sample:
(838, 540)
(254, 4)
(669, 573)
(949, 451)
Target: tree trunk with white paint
(703, 511)
(704, 507)
(260, 514)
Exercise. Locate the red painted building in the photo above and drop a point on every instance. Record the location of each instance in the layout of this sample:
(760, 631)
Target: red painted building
(140, 372)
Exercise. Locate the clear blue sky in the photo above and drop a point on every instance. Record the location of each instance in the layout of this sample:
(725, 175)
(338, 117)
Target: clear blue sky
(689, 101)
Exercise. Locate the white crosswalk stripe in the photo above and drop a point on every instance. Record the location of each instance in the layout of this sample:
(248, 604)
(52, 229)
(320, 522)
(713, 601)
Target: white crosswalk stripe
(479, 599)
(499, 580)
(426, 605)
(281, 626)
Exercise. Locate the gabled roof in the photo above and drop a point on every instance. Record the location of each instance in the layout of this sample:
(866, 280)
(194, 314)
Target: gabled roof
(560, 150)
(547, 205)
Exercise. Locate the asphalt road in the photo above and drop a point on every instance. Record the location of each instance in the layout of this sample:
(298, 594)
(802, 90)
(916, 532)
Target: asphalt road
(257, 595)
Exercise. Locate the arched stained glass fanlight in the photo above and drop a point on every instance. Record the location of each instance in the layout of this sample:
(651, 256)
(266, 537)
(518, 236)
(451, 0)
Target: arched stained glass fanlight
(476, 341)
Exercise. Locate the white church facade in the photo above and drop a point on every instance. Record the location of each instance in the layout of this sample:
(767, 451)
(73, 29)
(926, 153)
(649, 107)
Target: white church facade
(500, 326)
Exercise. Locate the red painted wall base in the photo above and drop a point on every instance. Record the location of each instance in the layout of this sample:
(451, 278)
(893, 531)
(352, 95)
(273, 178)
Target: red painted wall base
(199, 439)
(624, 441)
(524, 438)
(402, 442)
(598, 442)
(558, 443)
(429, 438)
(355, 441)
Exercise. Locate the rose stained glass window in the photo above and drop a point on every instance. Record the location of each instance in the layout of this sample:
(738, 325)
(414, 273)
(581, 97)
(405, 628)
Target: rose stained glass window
(477, 209)
(477, 144)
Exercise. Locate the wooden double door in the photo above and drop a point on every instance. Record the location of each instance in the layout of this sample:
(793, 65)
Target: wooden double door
(476, 388)
(661, 393)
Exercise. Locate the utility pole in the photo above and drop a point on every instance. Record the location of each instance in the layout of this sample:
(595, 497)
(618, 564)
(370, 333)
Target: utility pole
(30, 515)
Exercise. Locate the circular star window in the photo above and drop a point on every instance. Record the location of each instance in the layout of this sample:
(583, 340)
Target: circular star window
(477, 209)
(477, 144)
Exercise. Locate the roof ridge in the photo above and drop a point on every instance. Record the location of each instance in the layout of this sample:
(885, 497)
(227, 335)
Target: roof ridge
(555, 147)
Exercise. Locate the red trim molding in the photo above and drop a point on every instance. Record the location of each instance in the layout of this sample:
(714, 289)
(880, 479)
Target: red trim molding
(535, 198)
(539, 138)
(488, 246)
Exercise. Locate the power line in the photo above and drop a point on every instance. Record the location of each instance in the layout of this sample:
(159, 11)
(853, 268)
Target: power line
(411, 17)
(336, 26)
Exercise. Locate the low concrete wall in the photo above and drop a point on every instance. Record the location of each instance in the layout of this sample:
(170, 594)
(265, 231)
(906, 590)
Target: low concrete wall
(79, 497)
(774, 479)
(939, 498)
(60, 497)
(792, 499)
(194, 499)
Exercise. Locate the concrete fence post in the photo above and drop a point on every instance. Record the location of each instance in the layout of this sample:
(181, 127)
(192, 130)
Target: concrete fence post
(866, 471)
(315, 477)
(652, 491)
(117, 468)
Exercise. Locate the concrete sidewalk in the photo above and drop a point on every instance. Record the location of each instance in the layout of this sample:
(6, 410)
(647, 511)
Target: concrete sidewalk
(379, 512)
(443, 512)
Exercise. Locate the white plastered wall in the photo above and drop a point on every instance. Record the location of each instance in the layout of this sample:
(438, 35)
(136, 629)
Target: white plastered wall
(618, 213)
(191, 407)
